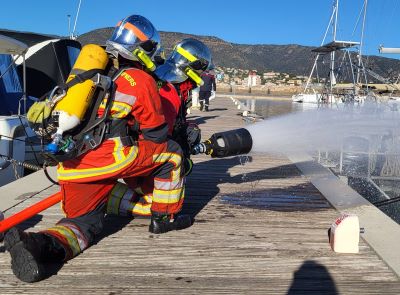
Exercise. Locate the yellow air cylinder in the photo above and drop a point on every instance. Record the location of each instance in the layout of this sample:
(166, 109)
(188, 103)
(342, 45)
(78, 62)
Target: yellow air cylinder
(72, 108)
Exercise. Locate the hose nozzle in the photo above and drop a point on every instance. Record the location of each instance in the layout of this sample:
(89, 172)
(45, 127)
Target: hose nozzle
(199, 148)
(225, 144)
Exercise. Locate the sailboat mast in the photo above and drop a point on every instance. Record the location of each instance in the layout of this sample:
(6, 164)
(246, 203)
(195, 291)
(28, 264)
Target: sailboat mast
(317, 57)
(76, 20)
(331, 71)
(336, 8)
(361, 42)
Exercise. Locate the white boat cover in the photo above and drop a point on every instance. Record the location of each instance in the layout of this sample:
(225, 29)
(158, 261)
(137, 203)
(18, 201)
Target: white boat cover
(12, 46)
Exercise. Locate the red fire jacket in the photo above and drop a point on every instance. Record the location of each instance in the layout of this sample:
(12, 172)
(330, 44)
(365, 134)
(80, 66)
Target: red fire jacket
(136, 99)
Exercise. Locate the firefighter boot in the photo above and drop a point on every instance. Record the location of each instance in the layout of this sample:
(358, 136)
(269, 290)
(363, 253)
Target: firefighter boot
(201, 105)
(30, 252)
(206, 107)
(162, 223)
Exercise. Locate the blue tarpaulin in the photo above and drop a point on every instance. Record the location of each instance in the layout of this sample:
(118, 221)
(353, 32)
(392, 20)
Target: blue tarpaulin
(10, 86)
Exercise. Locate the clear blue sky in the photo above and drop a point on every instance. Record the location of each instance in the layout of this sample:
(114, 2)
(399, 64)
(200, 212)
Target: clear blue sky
(244, 22)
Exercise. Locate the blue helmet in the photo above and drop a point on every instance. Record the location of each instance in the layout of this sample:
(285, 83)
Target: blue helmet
(135, 38)
(189, 59)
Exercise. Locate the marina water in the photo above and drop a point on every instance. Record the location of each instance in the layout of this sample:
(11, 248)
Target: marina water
(326, 128)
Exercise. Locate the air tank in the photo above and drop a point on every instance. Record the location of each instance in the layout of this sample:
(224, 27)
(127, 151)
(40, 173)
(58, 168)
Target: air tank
(72, 108)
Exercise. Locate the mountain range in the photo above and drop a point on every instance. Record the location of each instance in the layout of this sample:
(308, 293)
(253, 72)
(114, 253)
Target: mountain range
(292, 59)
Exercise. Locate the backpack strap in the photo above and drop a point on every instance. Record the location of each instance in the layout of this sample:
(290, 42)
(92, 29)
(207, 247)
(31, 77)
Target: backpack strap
(81, 77)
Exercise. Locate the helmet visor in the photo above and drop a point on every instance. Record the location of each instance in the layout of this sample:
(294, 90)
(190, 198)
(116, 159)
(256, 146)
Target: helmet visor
(178, 58)
(199, 65)
(182, 57)
(134, 30)
(169, 72)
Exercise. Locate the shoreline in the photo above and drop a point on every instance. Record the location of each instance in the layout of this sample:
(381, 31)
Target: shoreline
(254, 96)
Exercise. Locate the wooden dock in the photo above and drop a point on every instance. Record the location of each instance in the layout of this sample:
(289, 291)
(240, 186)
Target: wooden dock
(260, 228)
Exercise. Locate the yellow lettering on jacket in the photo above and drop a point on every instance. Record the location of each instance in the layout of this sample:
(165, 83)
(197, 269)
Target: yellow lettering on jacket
(129, 78)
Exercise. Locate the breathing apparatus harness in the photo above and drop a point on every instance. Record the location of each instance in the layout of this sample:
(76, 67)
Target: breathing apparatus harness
(94, 129)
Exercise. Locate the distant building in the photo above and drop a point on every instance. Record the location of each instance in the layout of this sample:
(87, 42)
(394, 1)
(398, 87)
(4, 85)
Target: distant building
(238, 81)
(252, 80)
(302, 77)
(270, 75)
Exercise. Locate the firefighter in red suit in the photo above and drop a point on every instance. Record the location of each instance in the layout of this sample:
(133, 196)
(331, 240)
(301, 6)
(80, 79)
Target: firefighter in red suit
(88, 180)
(183, 70)
(174, 89)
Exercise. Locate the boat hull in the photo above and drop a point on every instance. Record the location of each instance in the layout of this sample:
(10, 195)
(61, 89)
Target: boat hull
(14, 133)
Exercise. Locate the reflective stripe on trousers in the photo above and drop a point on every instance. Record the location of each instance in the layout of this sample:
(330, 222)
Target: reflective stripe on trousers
(163, 191)
(71, 237)
(123, 201)
(168, 193)
(78, 233)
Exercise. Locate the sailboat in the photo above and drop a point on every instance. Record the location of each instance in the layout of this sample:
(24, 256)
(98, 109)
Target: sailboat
(392, 86)
(330, 91)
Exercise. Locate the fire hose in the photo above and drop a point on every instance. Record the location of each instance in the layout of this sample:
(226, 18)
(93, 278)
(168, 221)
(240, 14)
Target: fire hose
(29, 212)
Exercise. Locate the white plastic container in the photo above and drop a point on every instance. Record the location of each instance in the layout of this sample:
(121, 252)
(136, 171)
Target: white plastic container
(195, 98)
(344, 234)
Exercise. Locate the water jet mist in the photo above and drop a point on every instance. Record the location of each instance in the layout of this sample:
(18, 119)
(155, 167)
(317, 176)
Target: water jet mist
(324, 129)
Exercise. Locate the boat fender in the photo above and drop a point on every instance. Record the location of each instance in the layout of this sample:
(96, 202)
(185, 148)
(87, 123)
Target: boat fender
(344, 234)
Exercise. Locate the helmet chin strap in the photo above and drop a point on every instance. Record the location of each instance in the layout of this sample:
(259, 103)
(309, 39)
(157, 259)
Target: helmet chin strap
(144, 59)
(121, 61)
(115, 61)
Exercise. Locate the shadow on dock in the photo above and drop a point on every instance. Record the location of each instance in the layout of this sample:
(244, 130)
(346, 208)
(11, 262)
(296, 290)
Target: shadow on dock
(305, 278)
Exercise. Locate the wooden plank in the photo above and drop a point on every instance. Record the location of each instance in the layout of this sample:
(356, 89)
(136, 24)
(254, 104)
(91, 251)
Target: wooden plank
(260, 228)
